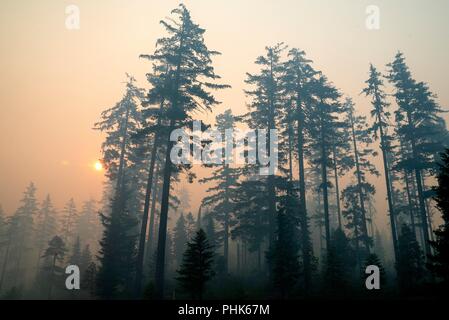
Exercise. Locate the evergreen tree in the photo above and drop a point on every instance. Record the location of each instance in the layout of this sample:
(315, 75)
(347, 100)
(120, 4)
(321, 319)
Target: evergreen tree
(169, 253)
(75, 258)
(220, 194)
(89, 279)
(264, 113)
(190, 226)
(55, 252)
(120, 123)
(251, 214)
(117, 251)
(46, 227)
(70, 216)
(420, 127)
(192, 78)
(211, 233)
(85, 258)
(379, 130)
(323, 125)
(89, 225)
(354, 222)
(439, 262)
(21, 238)
(196, 268)
(152, 120)
(339, 265)
(122, 155)
(342, 162)
(180, 238)
(297, 79)
(363, 166)
(379, 246)
(283, 258)
(409, 266)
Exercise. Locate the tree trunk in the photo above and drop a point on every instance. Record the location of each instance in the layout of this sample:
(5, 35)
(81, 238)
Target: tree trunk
(422, 205)
(154, 201)
(307, 250)
(360, 190)
(226, 222)
(290, 153)
(270, 180)
(144, 223)
(410, 203)
(325, 191)
(383, 146)
(226, 243)
(122, 150)
(337, 190)
(429, 218)
(50, 284)
(160, 258)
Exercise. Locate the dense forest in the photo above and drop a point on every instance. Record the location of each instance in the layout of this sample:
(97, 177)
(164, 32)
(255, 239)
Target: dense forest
(305, 230)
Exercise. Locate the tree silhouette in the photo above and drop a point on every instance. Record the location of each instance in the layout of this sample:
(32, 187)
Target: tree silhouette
(379, 130)
(196, 268)
(411, 261)
(439, 262)
(55, 251)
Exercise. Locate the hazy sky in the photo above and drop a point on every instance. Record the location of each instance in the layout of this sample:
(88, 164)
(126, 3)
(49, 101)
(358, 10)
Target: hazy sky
(55, 82)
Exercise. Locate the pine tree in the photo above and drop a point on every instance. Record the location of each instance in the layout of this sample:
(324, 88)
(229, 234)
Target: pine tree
(220, 195)
(21, 237)
(353, 215)
(89, 279)
(264, 112)
(55, 251)
(196, 268)
(190, 70)
(439, 262)
(410, 263)
(379, 130)
(75, 258)
(297, 80)
(211, 233)
(122, 154)
(160, 79)
(323, 124)
(70, 216)
(89, 225)
(251, 214)
(190, 226)
(117, 251)
(339, 265)
(46, 227)
(180, 238)
(283, 257)
(342, 162)
(85, 259)
(379, 246)
(363, 166)
(169, 254)
(420, 127)
(120, 123)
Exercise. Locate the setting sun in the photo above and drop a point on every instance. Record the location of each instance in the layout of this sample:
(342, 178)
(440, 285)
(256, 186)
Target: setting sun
(98, 166)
